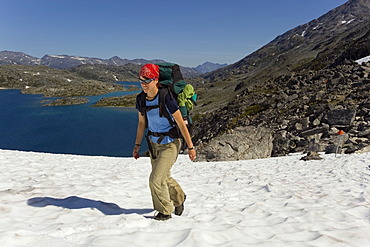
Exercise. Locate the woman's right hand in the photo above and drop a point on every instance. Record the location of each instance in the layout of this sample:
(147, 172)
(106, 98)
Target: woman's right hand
(135, 152)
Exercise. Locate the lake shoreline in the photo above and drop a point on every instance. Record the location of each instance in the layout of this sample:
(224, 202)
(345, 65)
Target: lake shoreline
(79, 129)
(124, 101)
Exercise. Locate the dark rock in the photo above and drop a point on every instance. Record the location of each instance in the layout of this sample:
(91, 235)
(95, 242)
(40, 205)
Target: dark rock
(239, 86)
(365, 133)
(311, 156)
(313, 146)
(314, 131)
(331, 149)
(281, 144)
(341, 116)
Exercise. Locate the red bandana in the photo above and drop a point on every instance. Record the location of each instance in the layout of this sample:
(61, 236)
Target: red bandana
(149, 71)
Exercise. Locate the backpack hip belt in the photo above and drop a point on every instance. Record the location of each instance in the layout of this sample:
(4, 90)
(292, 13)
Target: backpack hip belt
(173, 133)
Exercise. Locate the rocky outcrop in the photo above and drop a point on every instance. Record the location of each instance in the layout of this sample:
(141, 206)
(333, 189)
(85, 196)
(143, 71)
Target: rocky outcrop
(121, 101)
(66, 101)
(242, 143)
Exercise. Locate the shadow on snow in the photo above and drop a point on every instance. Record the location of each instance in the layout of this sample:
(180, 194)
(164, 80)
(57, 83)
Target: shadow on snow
(75, 202)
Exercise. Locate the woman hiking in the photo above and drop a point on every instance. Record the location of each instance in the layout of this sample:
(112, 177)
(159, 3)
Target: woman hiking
(167, 194)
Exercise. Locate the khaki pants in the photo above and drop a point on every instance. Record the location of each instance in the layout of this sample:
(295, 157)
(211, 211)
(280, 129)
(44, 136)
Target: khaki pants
(166, 192)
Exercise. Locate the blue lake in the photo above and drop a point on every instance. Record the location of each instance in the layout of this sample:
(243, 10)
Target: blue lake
(79, 129)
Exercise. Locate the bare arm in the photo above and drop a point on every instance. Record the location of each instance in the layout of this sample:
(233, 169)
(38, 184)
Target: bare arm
(185, 133)
(139, 135)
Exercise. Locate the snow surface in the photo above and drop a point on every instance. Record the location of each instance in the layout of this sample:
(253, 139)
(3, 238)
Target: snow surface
(56, 56)
(348, 22)
(363, 60)
(69, 200)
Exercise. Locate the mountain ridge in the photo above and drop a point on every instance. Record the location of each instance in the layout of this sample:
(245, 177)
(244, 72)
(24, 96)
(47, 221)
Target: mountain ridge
(306, 45)
(68, 62)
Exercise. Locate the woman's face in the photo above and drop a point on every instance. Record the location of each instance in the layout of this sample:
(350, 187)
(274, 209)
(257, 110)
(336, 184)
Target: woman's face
(148, 85)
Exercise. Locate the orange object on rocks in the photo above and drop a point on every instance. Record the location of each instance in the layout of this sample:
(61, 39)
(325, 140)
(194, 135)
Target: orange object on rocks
(340, 132)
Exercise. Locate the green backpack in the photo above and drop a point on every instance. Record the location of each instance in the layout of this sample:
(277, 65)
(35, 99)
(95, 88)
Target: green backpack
(171, 79)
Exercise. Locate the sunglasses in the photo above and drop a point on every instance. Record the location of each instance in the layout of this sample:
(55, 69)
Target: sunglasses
(147, 81)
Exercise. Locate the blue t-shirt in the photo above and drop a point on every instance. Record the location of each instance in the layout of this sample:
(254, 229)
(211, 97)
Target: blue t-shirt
(157, 123)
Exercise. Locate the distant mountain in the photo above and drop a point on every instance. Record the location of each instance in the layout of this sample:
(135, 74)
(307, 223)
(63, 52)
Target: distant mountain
(67, 62)
(20, 58)
(208, 67)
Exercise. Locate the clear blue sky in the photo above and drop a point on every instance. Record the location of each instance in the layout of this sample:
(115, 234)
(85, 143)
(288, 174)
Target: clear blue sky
(188, 32)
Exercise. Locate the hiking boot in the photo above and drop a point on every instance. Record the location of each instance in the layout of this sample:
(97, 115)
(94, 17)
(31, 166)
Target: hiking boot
(180, 209)
(161, 216)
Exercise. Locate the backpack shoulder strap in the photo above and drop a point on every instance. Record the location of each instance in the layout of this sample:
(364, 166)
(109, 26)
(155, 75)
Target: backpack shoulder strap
(141, 100)
(163, 112)
(176, 73)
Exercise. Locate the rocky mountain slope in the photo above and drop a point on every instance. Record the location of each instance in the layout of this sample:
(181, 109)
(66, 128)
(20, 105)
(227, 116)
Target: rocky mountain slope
(341, 33)
(292, 87)
(302, 111)
(108, 73)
